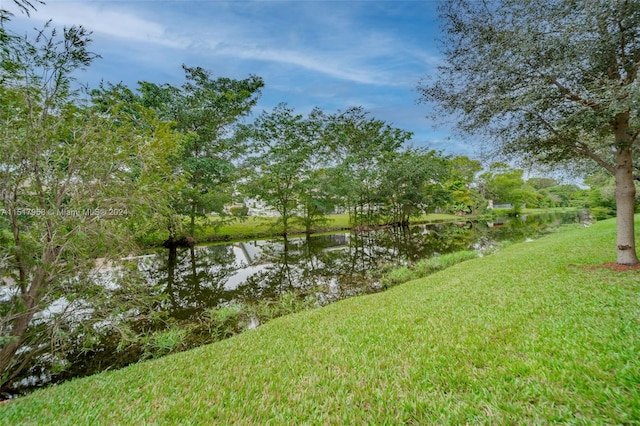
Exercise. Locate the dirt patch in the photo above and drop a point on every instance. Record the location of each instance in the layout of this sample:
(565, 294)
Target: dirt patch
(615, 267)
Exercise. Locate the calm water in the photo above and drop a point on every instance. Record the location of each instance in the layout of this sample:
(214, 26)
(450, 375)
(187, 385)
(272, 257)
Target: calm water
(330, 266)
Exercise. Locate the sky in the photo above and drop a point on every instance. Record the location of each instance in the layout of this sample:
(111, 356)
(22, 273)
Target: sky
(327, 54)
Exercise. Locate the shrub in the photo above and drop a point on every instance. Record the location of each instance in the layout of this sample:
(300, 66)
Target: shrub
(239, 211)
(601, 213)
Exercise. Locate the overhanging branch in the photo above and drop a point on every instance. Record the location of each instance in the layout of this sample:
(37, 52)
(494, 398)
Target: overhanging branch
(580, 147)
(583, 149)
(567, 93)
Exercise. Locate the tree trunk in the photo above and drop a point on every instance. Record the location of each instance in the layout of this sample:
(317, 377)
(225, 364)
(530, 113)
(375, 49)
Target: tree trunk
(9, 350)
(192, 227)
(625, 208)
(20, 326)
(285, 225)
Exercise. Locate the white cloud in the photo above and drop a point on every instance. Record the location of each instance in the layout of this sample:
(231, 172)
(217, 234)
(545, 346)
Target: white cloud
(322, 63)
(337, 50)
(329, 54)
(112, 22)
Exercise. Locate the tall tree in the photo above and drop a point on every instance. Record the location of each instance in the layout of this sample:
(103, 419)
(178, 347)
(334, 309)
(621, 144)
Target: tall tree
(72, 180)
(413, 184)
(205, 110)
(555, 81)
(317, 198)
(359, 145)
(285, 143)
(465, 198)
(505, 185)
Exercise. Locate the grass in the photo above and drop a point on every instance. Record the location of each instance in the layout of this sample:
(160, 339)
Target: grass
(426, 267)
(216, 229)
(535, 334)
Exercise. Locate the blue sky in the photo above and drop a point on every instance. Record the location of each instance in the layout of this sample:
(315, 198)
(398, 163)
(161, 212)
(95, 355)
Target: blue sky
(330, 54)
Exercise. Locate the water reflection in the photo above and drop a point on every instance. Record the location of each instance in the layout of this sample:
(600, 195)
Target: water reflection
(192, 279)
(328, 266)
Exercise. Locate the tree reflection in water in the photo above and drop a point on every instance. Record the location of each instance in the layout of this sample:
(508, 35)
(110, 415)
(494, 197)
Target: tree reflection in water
(193, 279)
(329, 267)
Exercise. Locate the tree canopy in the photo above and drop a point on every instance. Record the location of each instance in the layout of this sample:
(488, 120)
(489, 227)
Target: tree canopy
(204, 109)
(552, 81)
(76, 180)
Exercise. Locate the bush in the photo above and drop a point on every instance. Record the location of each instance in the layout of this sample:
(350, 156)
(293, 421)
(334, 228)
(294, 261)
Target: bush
(239, 211)
(601, 213)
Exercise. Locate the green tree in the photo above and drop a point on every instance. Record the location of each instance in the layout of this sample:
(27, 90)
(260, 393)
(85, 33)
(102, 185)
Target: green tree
(359, 145)
(413, 183)
(601, 198)
(74, 181)
(464, 196)
(505, 185)
(317, 198)
(205, 110)
(285, 143)
(554, 193)
(552, 81)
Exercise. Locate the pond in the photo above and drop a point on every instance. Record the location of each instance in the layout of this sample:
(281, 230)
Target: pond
(205, 293)
(331, 266)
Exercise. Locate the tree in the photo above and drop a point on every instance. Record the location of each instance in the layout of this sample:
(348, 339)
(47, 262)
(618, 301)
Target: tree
(505, 185)
(285, 143)
(359, 144)
(554, 81)
(465, 197)
(204, 110)
(74, 179)
(554, 193)
(601, 196)
(412, 182)
(317, 198)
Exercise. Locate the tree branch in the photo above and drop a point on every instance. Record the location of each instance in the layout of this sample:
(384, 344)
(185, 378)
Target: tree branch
(584, 149)
(567, 93)
(580, 147)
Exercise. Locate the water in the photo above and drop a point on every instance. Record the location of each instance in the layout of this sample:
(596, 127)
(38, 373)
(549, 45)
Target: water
(186, 283)
(329, 266)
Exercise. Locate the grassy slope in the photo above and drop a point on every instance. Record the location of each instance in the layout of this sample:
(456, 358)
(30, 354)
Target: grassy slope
(525, 336)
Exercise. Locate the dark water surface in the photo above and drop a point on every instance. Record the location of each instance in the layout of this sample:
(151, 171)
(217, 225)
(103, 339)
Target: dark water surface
(207, 276)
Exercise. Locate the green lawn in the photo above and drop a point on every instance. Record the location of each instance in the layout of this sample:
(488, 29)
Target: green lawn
(252, 226)
(534, 334)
